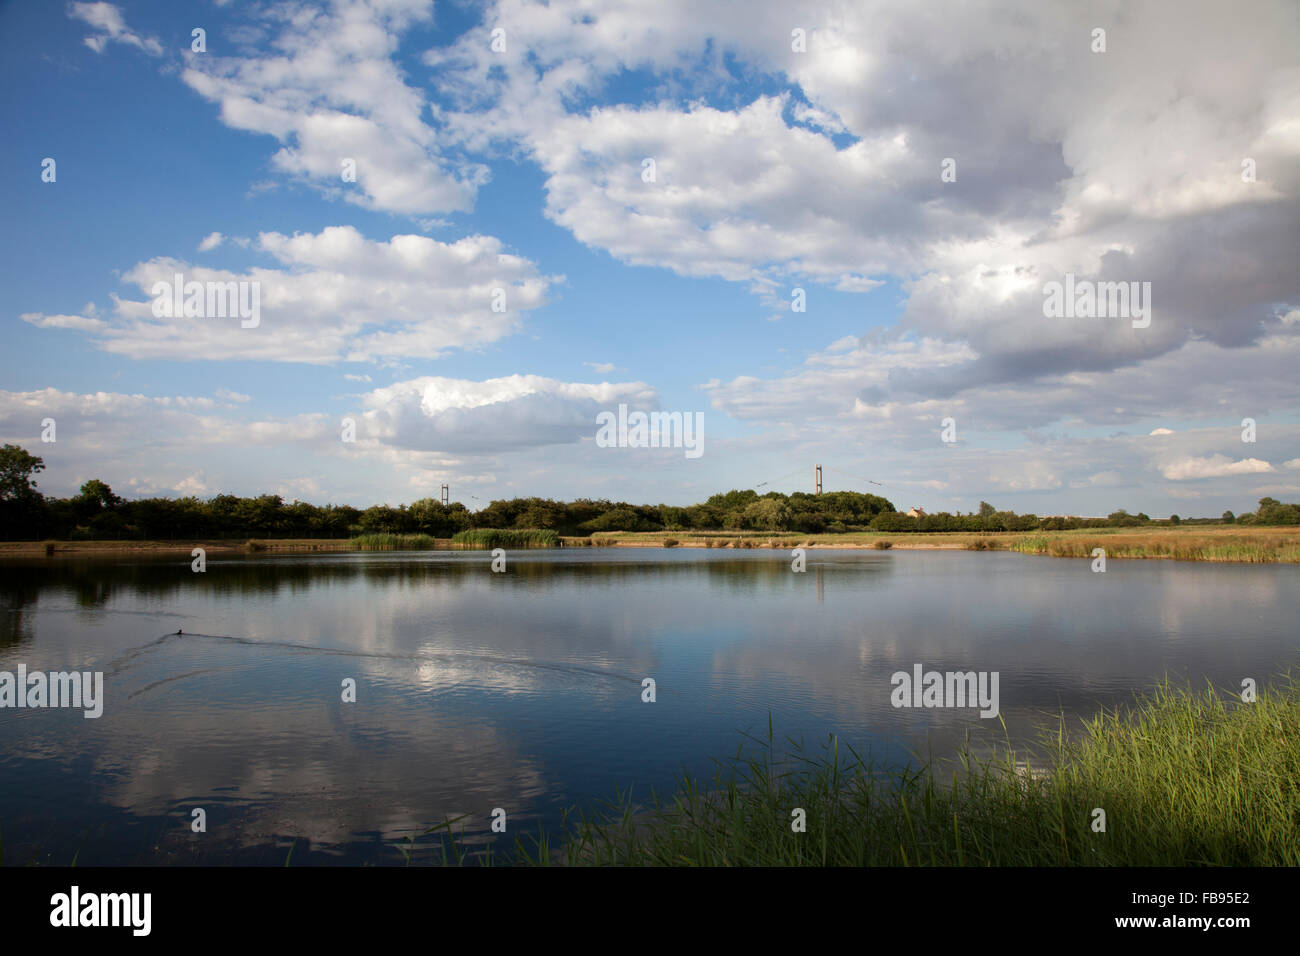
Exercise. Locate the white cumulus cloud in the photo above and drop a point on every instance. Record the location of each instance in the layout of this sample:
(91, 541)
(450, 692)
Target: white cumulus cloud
(329, 91)
(337, 295)
(1214, 466)
(110, 27)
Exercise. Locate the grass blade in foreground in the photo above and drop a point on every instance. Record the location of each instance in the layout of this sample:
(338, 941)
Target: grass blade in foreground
(1184, 779)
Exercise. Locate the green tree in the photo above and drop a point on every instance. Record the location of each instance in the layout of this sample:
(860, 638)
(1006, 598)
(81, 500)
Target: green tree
(891, 521)
(541, 513)
(767, 514)
(96, 498)
(98, 492)
(621, 517)
(16, 470)
(1272, 511)
(733, 500)
(987, 510)
(24, 512)
(1229, 517)
(109, 524)
(383, 519)
(672, 518)
(260, 517)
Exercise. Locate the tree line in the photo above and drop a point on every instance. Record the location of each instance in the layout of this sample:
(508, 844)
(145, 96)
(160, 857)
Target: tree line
(97, 513)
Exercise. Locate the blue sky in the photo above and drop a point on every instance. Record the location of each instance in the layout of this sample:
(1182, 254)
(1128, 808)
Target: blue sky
(777, 169)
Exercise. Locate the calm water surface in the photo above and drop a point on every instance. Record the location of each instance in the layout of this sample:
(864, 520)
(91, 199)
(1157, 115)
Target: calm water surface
(523, 690)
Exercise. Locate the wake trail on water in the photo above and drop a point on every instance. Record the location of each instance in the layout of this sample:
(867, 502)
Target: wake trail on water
(120, 663)
(175, 677)
(124, 661)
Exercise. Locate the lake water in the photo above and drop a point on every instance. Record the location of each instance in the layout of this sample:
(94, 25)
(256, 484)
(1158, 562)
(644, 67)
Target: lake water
(523, 690)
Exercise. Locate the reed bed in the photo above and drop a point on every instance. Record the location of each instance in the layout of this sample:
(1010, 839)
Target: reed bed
(1227, 544)
(394, 542)
(1250, 549)
(506, 538)
(1184, 778)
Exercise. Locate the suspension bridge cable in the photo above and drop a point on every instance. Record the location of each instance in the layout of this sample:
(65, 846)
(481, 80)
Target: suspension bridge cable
(846, 474)
(782, 478)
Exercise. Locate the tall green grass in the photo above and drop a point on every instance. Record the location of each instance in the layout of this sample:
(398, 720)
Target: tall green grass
(394, 542)
(1252, 549)
(1184, 778)
(506, 538)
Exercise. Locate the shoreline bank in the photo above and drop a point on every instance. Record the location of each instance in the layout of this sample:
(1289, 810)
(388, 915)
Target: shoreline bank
(1220, 545)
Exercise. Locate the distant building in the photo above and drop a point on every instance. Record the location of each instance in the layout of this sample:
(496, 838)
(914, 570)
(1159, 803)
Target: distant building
(916, 513)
